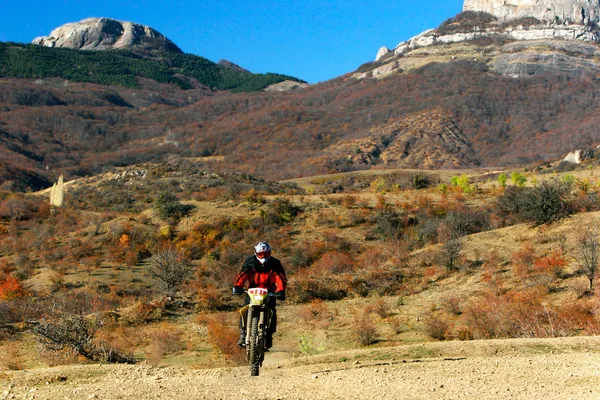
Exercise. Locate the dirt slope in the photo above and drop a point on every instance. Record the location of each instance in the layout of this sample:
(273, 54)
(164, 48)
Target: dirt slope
(500, 369)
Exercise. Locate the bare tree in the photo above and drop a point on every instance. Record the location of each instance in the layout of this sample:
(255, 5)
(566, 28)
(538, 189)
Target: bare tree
(588, 252)
(449, 254)
(171, 268)
(76, 333)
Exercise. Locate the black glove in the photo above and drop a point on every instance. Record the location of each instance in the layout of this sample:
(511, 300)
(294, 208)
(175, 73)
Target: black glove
(279, 295)
(237, 290)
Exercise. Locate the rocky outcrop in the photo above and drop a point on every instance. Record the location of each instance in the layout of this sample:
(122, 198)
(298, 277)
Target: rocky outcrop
(558, 36)
(581, 12)
(535, 32)
(286, 86)
(577, 156)
(536, 57)
(106, 34)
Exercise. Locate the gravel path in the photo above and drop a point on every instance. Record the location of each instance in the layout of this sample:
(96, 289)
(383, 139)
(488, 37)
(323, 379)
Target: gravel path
(519, 369)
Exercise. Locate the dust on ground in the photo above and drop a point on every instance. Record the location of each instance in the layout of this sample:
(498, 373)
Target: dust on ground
(566, 368)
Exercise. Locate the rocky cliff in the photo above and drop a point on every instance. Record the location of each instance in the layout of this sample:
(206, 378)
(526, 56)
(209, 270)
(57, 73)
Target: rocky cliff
(581, 12)
(106, 34)
(555, 36)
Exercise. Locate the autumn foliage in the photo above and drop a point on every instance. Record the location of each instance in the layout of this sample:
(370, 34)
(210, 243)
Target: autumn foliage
(11, 288)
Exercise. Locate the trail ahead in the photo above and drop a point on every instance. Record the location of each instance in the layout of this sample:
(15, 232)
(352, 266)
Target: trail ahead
(566, 368)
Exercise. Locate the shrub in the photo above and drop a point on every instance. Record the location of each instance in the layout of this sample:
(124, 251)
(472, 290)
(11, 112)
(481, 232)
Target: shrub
(170, 268)
(280, 211)
(518, 179)
(588, 252)
(364, 330)
(165, 339)
(462, 182)
(466, 21)
(397, 323)
(75, 334)
(420, 181)
(502, 179)
(308, 347)
(316, 312)
(437, 327)
(388, 223)
(10, 357)
(11, 288)
(452, 304)
(140, 313)
(223, 338)
(526, 314)
(379, 307)
(333, 262)
(449, 254)
(544, 203)
(167, 206)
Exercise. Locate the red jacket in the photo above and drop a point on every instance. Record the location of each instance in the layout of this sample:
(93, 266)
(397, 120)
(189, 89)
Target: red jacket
(269, 275)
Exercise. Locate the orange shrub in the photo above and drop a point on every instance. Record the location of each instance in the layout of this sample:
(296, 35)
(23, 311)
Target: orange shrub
(11, 288)
(333, 262)
(165, 339)
(524, 260)
(316, 312)
(223, 337)
(438, 327)
(552, 264)
(527, 314)
(379, 307)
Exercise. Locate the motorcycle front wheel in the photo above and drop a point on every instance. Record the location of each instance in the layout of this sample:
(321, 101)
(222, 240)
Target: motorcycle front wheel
(255, 350)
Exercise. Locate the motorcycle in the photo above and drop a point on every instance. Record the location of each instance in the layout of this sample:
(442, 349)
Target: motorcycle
(256, 320)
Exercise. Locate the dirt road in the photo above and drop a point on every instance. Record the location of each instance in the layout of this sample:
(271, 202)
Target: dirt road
(502, 369)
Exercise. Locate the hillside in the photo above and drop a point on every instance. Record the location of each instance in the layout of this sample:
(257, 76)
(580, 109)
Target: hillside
(125, 68)
(398, 279)
(49, 125)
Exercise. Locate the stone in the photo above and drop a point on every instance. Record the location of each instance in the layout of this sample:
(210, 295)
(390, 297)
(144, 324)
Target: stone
(107, 34)
(581, 12)
(384, 51)
(557, 19)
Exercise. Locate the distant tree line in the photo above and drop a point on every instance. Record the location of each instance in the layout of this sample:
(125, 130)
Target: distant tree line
(122, 68)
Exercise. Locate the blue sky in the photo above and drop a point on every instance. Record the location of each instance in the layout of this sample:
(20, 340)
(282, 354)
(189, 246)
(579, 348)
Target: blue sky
(314, 40)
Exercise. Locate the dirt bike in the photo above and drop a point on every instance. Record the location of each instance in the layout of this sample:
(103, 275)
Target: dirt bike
(256, 320)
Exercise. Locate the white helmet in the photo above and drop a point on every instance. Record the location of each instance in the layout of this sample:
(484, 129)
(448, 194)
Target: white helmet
(262, 251)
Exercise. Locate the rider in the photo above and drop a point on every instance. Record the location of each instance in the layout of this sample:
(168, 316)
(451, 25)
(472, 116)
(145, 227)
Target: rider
(262, 271)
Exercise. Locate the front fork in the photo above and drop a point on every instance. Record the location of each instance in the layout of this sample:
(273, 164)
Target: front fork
(264, 321)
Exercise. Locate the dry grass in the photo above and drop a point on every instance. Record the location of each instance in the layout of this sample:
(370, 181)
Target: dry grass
(329, 224)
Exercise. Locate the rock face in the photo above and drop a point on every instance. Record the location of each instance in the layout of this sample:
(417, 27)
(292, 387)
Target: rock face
(577, 156)
(573, 11)
(543, 36)
(106, 34)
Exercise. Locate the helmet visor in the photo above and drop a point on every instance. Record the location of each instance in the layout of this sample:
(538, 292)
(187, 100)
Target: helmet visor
(263, 254)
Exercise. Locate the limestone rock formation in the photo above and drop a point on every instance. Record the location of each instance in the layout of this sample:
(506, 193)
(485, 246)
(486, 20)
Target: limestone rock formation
(577, 156)
(515, 38)
(286, 86)
(106, 34)
(581, 12)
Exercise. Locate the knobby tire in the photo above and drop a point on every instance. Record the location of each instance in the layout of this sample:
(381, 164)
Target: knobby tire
(255, 347)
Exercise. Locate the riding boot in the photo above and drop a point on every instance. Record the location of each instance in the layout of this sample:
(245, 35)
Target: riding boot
(242, 340)
(269, 340)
